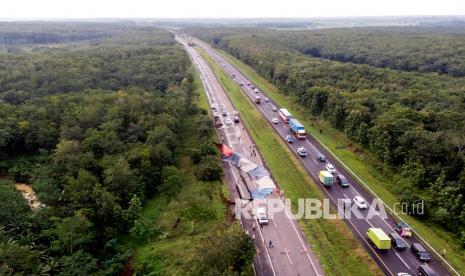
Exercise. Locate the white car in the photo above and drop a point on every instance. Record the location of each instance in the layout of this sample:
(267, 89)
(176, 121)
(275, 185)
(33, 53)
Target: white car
(213, 106)
(267, 100)
(261, 216)
(274, 120)
(330, 168)
(228, 121)
(274, 108)
(360, 202)
(302, 152)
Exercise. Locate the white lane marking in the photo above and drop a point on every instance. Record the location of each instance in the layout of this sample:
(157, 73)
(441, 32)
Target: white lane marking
(264, 111)
(261, 234)
(266, 248)
(308, 256)
(355, 228)
(275, 225)
(401, 259)
(300, 239)
(360, 211)
(315, 162)
(287, 254)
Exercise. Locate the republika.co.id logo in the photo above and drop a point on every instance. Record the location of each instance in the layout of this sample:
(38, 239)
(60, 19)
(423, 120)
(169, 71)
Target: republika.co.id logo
(311, 208)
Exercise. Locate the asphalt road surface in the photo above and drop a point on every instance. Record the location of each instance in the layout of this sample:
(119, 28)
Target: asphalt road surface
(391, 261)
(290, 253)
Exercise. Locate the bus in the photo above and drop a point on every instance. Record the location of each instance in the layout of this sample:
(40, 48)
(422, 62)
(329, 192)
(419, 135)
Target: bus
(285, 115)
(297, 128)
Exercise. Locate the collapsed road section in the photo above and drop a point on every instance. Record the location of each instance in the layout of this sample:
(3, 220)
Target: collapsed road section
(281, 247)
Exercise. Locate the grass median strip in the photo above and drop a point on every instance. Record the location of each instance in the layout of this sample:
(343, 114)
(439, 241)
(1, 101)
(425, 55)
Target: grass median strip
(357, 162)
(337, 249)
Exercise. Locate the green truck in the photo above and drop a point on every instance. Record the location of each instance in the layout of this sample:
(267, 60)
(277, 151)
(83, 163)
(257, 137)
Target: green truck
(379, 238)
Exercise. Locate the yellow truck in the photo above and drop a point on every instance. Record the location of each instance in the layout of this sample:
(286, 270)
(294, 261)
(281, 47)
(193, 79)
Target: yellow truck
(379, 238)
(326, 178)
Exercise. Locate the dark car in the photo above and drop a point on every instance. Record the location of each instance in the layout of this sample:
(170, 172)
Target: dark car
(225, 113)
(321, 158)
(290, 138)
(425, 270)
(236, 119)
(420, 252)
(342, 181)
(397, 242)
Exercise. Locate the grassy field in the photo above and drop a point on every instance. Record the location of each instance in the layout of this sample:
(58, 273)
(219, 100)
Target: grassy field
(357, 160)
(332, 241)
(170, 252)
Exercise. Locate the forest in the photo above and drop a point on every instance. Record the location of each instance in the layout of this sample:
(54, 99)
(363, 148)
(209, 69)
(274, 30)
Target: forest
(410, 120)
(422, 49)
(94, 118)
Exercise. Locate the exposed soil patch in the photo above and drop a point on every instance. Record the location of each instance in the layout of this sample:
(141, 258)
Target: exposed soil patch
(29, 194)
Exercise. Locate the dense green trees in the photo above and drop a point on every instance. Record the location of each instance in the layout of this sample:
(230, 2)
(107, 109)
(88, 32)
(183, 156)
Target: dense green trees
(95, 128)
(224, 250)
(410, 121)
(422, 49)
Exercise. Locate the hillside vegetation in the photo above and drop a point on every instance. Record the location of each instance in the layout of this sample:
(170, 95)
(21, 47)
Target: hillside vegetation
(97, 130)
(411, 122)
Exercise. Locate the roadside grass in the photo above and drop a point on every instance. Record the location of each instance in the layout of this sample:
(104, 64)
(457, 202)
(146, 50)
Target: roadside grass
(358, 161)
(170, 252)
(338, 250)
(202, 100)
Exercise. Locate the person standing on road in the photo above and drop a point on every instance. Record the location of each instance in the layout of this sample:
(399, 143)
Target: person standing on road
(443, 252)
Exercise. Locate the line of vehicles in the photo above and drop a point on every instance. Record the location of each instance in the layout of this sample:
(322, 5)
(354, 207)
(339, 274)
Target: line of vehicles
(330, 176)
(224, 113)
(382, 241)
(401, 230)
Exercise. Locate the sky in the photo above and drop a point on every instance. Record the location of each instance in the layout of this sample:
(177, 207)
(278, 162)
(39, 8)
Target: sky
(224, 8)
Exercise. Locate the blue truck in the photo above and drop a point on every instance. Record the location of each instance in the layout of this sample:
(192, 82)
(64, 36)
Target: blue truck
(297, 128)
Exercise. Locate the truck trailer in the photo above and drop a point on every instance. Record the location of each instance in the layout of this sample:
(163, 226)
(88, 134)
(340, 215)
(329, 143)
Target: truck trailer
(379, 238)
(297, 128)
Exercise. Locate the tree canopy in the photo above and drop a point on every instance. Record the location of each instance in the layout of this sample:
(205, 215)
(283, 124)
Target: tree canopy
(412, 122)
(91, 116)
